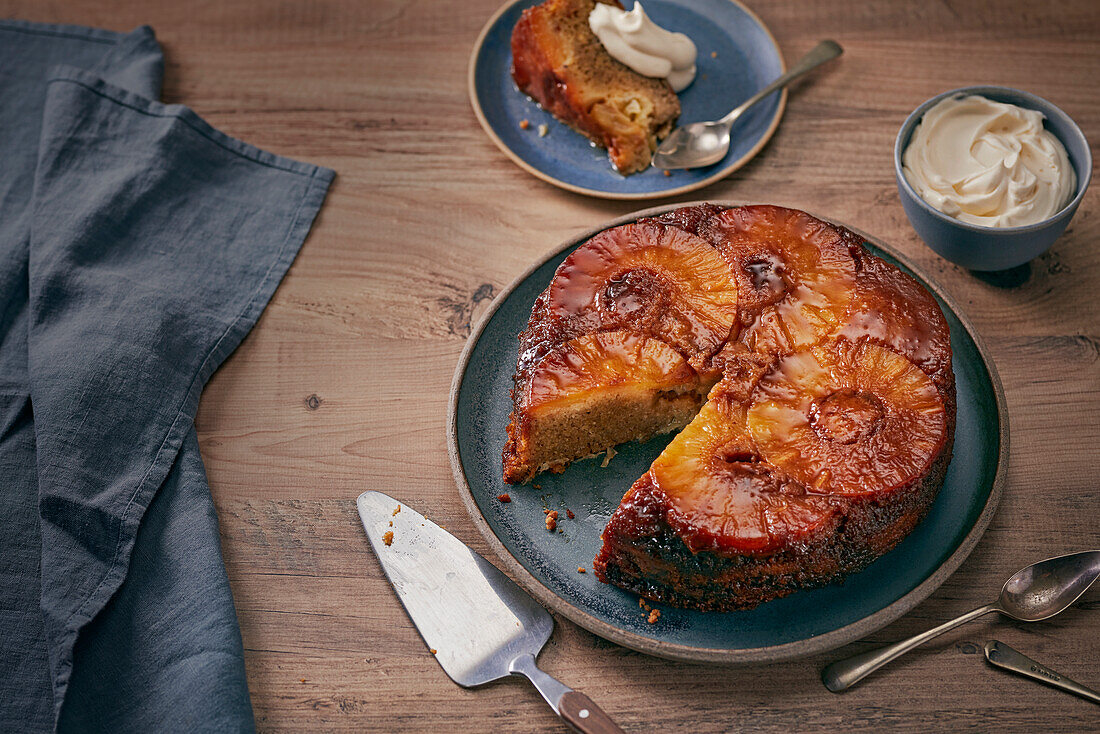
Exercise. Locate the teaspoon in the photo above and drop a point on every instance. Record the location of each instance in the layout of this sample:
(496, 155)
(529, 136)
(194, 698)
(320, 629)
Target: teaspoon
(704, 143)
(1034, 593)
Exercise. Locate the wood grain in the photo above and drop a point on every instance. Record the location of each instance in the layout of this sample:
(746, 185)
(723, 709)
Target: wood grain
(342, 385)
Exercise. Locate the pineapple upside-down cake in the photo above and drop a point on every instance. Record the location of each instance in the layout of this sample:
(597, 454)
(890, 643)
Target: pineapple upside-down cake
(814, 381)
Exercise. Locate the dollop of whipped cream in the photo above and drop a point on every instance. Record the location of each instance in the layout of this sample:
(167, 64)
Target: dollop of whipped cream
(988, 163)
(635, 40)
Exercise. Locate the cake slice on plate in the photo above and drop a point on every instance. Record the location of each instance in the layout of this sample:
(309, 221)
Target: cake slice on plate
(558, 61)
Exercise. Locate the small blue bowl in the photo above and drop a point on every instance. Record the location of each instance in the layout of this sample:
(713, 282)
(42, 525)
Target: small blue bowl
(993, 248)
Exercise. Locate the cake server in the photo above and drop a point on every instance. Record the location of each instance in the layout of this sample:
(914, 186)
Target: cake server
(479, 624)
(1003, 656)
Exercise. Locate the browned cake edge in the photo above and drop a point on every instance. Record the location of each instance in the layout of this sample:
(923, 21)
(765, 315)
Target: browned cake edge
(643, 554)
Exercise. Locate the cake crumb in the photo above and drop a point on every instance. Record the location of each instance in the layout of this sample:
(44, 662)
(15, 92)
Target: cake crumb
(537, 486)
(397, 511)
(552, 520)
(580, 569)
(504, 497)
(643, 605)
(713, 55)
(569, 513)
(391, 523)
(524, 124)
(654, 616)
(387, 537)
(668, 173)
(544, 130)
(433, 650)
(608, 457)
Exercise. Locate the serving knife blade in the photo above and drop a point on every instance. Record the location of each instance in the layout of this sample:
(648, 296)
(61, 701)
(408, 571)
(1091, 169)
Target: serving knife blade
(478, 623)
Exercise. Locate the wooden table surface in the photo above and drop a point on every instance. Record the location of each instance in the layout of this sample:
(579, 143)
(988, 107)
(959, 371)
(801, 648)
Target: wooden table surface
(343, 384)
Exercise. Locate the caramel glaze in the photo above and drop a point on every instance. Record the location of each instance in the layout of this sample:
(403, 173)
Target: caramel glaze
(648, 278)
(687, 218)
(890, 308)
(608, 284)
(647, 547)
(846, 416)
(645, 278)
(768, 246)
(645, 554)
(537, 76)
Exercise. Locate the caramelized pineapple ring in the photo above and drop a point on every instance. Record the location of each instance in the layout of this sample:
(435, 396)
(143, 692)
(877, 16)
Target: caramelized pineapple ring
(603, 362)
(848, 419)
(794, 274)
(894, 310)
(723, 497)
(653, 280)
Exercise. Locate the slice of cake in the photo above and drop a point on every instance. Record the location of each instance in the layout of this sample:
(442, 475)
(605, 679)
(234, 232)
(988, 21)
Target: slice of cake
(620, 346)
(558, 61)
(598, 391)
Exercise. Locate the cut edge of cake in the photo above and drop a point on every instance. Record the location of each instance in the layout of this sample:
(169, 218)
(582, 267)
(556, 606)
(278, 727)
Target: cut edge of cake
(640, 387)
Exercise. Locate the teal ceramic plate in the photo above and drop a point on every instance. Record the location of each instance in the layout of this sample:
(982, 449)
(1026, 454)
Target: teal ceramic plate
(805, 623)
(737, 57)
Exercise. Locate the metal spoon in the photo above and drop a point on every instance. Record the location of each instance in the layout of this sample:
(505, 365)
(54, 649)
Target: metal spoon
(1003, 656)
(1034, 593)
(703, 143)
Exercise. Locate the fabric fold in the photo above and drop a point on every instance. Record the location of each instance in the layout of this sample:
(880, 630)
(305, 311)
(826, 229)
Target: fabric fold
(156, 242)
(27, 52)
(154, 647)
(148, 246)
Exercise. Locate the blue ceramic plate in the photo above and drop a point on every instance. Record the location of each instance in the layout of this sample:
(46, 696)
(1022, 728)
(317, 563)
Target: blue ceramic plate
(804, 623)
(745, 59)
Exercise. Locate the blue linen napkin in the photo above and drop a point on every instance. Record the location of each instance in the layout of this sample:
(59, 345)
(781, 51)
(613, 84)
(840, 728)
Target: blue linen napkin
(138, 247)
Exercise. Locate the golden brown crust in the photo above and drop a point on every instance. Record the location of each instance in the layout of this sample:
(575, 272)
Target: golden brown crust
(559, 62)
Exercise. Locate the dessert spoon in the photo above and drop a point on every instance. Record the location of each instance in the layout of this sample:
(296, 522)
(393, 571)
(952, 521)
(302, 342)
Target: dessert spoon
(704, 143)
(1034, 593)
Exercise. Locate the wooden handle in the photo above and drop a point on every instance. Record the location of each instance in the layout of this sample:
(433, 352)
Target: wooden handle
(585, 716)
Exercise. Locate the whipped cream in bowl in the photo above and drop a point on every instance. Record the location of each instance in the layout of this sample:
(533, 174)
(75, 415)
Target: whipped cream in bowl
(988, 163)
(636, 41)
(990, 176)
